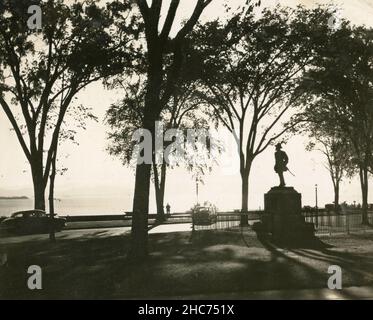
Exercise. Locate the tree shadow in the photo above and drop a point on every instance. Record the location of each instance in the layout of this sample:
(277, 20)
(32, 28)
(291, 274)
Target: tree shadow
(320, 252)
(179, 264)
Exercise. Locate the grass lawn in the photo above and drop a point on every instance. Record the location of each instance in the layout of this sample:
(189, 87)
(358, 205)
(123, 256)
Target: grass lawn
(180, 264)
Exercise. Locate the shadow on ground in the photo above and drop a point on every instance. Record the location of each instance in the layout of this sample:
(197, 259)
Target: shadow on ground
(180, 264)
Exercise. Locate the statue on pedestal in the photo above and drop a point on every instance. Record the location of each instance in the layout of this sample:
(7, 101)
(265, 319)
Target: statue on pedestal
(281, 163)
(282, 219)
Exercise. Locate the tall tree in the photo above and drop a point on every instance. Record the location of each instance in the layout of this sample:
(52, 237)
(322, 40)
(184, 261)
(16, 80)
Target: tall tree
(250, 71)
(76, 118)
(46, 69)
(181, 112)
(337, 153)
(159, 43)
(342, 76)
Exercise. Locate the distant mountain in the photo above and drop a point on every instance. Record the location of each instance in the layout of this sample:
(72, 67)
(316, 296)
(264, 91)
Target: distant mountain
(14, 198)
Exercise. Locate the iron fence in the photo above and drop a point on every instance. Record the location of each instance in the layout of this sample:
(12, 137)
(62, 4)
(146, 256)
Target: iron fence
(325, 222)
(346, 222)
(228, 220)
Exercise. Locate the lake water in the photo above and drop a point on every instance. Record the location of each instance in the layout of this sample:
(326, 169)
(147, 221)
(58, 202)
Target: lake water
(72, 206)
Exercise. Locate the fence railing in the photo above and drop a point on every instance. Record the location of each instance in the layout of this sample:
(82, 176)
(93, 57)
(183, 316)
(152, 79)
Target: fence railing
(324, 222)
(228, 220)
(346, 222)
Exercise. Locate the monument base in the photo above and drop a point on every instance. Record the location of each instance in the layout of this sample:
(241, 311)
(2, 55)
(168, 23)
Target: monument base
(282, 217)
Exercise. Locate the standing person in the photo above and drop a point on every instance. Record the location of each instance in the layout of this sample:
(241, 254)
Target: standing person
(281, 163)
(168, 209)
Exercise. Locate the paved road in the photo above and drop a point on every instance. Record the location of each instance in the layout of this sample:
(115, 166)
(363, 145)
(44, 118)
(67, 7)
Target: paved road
(94, 233)
(166, 228)
(68, 234)
(96, 230)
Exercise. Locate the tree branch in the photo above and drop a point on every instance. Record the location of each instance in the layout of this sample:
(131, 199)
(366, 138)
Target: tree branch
(169, 20)
(16, 128)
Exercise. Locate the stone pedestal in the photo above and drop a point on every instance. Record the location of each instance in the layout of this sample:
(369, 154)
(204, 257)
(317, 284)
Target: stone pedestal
(283, 217)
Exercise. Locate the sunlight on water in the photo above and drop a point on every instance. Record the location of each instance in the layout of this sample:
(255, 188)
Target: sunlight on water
(71, 206)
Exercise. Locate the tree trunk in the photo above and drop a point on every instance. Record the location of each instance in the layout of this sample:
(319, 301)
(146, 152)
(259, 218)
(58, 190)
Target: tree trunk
(364, 193)
(163, 184)
(158, 194)
(152, 110)
(336, 197)
(39, 188)
(52, 236)
(139, 230)
(245, 196)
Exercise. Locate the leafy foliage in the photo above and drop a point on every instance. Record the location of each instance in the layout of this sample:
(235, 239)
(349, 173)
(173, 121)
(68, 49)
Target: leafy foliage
(43, 71)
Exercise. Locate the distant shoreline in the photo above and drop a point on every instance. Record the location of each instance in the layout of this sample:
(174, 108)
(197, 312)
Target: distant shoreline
(14, 198)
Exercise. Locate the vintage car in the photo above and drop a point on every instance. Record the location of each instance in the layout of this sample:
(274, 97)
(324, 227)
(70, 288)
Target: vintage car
(204, 215)
(31, 221)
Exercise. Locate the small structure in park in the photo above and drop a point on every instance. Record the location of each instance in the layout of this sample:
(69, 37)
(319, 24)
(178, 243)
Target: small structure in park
(282, 218)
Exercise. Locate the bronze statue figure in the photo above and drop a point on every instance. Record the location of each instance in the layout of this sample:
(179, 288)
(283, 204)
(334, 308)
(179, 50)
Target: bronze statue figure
(281, 163)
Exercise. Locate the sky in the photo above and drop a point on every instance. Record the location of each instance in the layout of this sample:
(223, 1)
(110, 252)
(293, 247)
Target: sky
(92, 172)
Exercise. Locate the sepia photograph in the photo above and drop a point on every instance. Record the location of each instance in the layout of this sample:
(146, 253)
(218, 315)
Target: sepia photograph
(186, 154)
